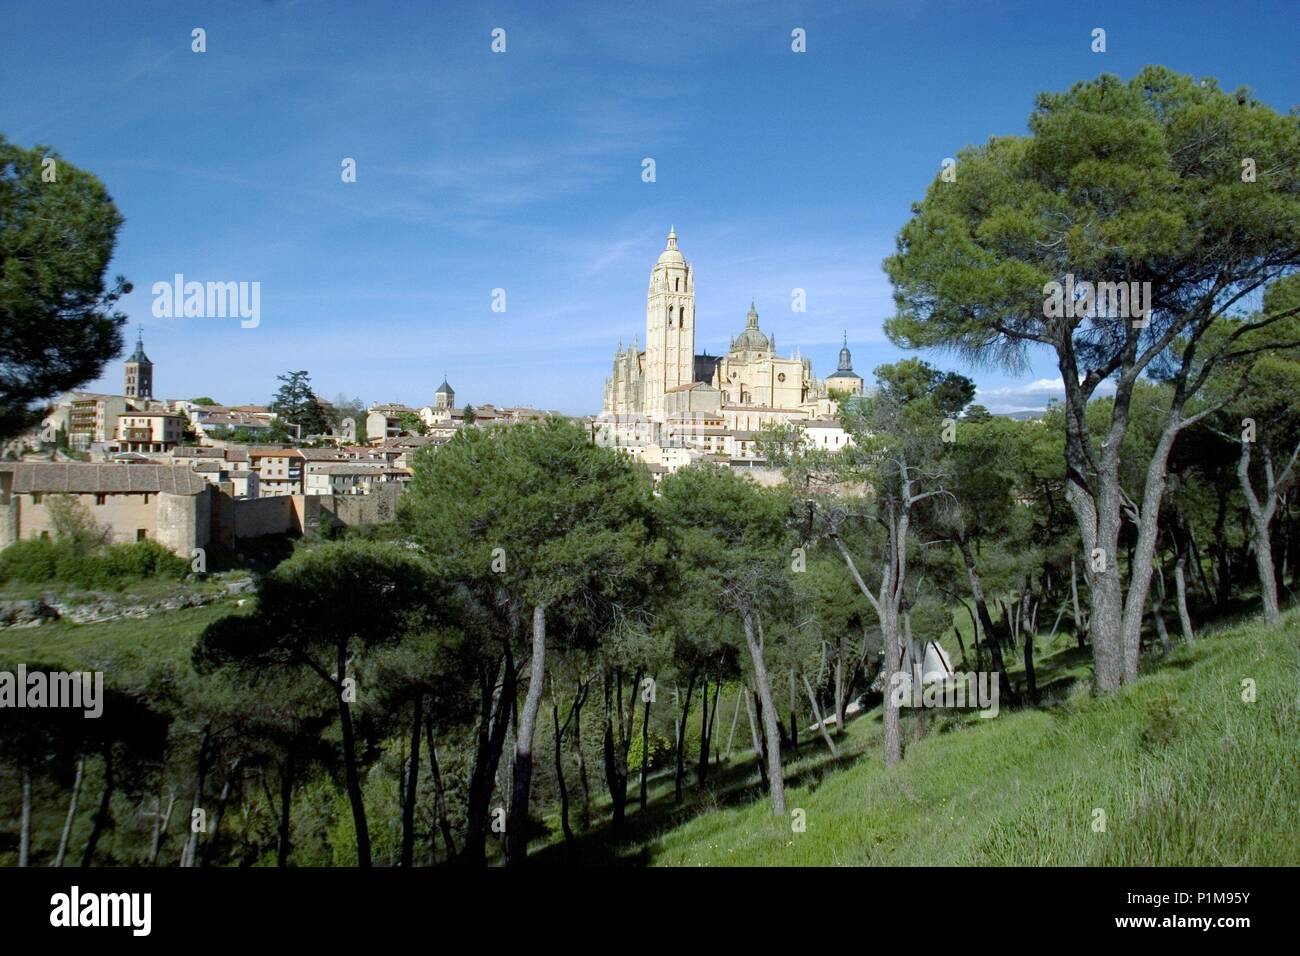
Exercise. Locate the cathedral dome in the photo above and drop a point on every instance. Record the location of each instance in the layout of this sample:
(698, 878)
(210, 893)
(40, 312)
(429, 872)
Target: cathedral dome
(671, 254)
(846, 363)
(752, 338)
(846, 359)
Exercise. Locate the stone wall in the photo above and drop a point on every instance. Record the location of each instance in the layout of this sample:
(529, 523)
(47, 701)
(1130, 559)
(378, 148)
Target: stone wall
(353, 511)
(184, 522)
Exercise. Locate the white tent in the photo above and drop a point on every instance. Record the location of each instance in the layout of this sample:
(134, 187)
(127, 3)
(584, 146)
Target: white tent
(935, 665)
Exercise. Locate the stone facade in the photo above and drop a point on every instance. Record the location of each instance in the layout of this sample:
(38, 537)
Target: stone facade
(667, 379)
(666, 394)
(172, 505)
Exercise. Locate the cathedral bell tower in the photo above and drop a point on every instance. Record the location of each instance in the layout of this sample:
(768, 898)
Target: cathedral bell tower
(669, 326)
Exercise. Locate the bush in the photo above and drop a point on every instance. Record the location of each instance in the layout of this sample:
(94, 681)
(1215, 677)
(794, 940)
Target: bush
(143, 559)
(40, 560)
(33, 561)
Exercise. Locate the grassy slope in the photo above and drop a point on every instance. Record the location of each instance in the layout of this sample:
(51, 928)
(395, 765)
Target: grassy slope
(1186, 772)
(128, 652)
(121, 647)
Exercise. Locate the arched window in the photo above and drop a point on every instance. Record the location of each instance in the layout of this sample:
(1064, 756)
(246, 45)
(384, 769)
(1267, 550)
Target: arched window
(679, 284)
(670, 316)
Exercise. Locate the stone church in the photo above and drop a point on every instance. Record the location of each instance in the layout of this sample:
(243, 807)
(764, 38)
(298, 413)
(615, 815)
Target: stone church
(666, 387)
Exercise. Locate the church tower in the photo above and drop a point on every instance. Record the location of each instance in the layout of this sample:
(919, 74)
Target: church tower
(445, 396)
(845, 379)
(669, 326)
(139, 372)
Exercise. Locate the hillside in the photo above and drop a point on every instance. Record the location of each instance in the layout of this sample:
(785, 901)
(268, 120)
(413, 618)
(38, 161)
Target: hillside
(1185, 770)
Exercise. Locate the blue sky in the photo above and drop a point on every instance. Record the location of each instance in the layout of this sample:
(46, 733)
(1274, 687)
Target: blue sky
(522, 170)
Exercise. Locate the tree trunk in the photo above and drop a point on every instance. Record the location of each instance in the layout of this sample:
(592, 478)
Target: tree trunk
(817, 715)
(615, 769)
(680, 772)
(25, 826)
(776, 781)
(1158, 612)
(412, 784)
(222, 800)
(191, 846)
(645, 754)
(760, 752)
(986, 621)
(559, 772)
(101, 815)
(495, 704)
(794, 715)
(735, 717)
(1142, 566)
(1194, 554)
(841, 691)
(707, 725)
(1096, 500)
(1219, 551)
(155, 839)
(439, 795)
(584, 782)
(72, 815)
(615, 781)
(351, 771)
(1261, 520)
(1031, 682)
(517, 828)
(1267, 578)
(1180, 587)
(284, 834)
(1080, 622)
(893, 730)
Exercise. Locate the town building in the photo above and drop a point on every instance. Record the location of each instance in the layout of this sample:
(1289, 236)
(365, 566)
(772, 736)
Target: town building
(92, 419)
(279, 471)
(148, 431)
(133, 502)
(385, 421)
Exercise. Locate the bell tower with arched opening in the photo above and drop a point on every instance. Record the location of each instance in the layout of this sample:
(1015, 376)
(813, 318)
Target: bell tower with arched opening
(669, 325)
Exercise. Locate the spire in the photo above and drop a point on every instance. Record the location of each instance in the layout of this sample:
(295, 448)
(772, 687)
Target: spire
(672, 237)
(751, 320)
(846, 359)
(138, 355)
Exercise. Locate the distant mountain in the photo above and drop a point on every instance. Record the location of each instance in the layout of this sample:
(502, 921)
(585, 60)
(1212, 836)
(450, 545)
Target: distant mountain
(1024, 415)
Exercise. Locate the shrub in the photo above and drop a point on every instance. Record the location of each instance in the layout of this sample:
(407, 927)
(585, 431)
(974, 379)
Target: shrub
(143, 559)
(40, 560)
(73, 523)
(32, 561)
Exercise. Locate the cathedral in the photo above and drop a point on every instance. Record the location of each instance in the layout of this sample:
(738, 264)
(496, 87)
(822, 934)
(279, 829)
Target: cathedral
(667, 388)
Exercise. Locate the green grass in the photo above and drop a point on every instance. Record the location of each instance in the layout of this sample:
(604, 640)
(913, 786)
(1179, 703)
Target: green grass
(124, 646)
(1185, 771)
